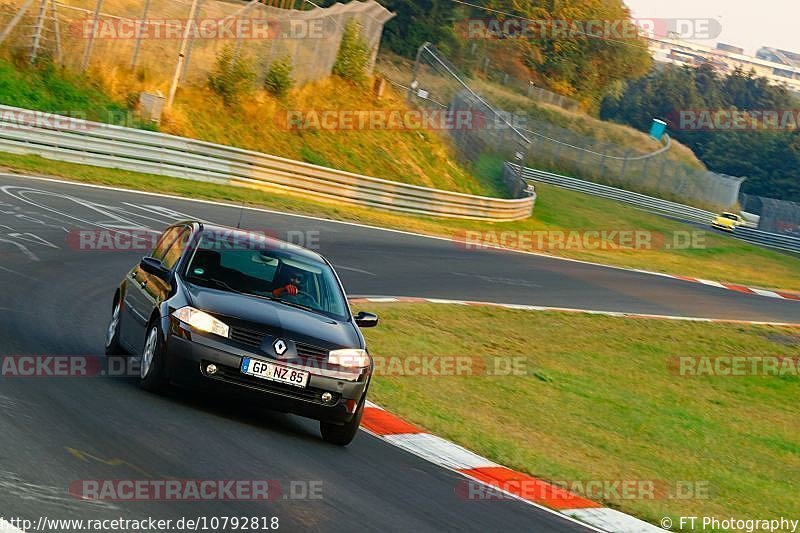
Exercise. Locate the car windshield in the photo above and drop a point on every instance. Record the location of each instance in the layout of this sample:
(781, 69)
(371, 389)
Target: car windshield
(261, 269)
(729, 216)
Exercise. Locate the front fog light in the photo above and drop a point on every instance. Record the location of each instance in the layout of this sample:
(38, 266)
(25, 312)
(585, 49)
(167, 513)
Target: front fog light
(211, 370)
(327, 397)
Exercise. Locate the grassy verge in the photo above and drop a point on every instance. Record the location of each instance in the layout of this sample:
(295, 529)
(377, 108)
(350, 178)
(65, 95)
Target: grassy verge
(620, 138)
(599, 400)
(261, 122)
(715, 256)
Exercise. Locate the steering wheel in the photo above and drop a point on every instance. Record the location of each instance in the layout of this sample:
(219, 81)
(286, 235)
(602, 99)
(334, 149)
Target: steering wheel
(310, 297)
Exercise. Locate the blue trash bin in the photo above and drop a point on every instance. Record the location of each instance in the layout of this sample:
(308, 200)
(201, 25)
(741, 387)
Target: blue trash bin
(657, 129)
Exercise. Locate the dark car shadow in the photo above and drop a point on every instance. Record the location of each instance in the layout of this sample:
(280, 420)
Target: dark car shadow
(256, 414)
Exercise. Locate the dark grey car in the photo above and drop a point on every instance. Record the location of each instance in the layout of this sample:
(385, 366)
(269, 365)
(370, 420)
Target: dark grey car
(256, 316)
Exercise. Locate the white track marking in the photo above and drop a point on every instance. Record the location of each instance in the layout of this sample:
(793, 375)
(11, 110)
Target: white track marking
(764, 292)
(616, 314)
(439, 451)
(612, 520)
(114, 222)
(712, 283)
(20, 274)
(22, 248)
(30, 237)
(341, 222)
(352, 269)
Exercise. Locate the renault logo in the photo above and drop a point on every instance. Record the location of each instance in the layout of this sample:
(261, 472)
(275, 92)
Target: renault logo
(280, 347)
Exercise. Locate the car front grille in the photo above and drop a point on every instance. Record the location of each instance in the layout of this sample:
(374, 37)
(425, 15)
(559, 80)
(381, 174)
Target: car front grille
(247, 337)
(253, 339)
(311, 352)
(234, 375)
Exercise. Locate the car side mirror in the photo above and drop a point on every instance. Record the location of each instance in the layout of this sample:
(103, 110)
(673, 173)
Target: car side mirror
(151, 265)
(366, 320)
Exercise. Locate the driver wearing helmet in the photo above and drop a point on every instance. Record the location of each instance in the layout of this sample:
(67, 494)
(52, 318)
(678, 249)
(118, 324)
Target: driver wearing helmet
(293, 288)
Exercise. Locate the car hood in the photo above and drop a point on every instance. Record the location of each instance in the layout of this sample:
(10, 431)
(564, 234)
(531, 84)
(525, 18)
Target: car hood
(252, 312)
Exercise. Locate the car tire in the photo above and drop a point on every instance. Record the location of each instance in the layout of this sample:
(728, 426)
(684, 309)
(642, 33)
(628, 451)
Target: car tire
(151, 363)
(113, 346)
(343, 434)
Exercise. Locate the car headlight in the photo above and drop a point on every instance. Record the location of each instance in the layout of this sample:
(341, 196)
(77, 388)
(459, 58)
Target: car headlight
(202, 321)
(350, 357)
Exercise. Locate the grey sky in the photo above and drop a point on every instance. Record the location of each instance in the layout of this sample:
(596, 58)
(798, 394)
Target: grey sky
(744, 23)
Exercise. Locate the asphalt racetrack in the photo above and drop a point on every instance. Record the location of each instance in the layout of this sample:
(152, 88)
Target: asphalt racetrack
(55, 432)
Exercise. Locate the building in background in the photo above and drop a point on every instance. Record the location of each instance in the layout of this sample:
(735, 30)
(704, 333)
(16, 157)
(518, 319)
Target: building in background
(778, 66)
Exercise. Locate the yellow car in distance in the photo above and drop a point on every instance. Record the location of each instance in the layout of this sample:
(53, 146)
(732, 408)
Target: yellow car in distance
(727, 221)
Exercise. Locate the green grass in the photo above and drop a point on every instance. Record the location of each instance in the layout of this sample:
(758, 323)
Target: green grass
(598, 401)
(54, 91)
(418, 157)
(720, 258)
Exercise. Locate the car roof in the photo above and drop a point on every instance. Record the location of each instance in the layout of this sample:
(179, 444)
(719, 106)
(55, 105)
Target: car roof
(264, 236)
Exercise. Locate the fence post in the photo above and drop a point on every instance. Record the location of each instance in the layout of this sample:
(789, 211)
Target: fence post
(14, 21)
(603, 162)
(87, 53)
(190, 46)
(139, 31)
(181, 55)
(624, 165)
(57, 33)
(37, 31)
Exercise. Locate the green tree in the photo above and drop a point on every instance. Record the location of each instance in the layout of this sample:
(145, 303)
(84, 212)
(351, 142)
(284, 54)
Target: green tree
(278, 79)
(232, 76)
(353, 56)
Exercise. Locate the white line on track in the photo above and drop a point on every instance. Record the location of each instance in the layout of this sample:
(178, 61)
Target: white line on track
(344, 222)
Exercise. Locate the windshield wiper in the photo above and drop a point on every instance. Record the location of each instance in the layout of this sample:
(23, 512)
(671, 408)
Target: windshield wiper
(218, 282)
(295, 305)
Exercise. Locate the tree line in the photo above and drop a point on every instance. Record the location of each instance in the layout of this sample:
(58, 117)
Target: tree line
(737, 124)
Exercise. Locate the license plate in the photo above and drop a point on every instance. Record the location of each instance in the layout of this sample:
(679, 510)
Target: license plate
(273, 372)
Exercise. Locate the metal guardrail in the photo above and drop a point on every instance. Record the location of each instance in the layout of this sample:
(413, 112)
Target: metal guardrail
(657, 205)
(91, 143)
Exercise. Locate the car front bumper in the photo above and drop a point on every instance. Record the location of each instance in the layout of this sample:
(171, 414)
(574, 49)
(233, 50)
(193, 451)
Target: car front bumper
(187, 356)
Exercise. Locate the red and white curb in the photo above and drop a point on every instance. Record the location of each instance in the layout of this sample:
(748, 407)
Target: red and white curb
(784, 295)
(407, 299)
(484, 472)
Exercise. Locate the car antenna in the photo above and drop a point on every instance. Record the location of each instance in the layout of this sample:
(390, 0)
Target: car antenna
(241, 214)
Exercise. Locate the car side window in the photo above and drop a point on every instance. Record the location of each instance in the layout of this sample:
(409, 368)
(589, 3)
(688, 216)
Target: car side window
(175, 251)
(163, 243)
